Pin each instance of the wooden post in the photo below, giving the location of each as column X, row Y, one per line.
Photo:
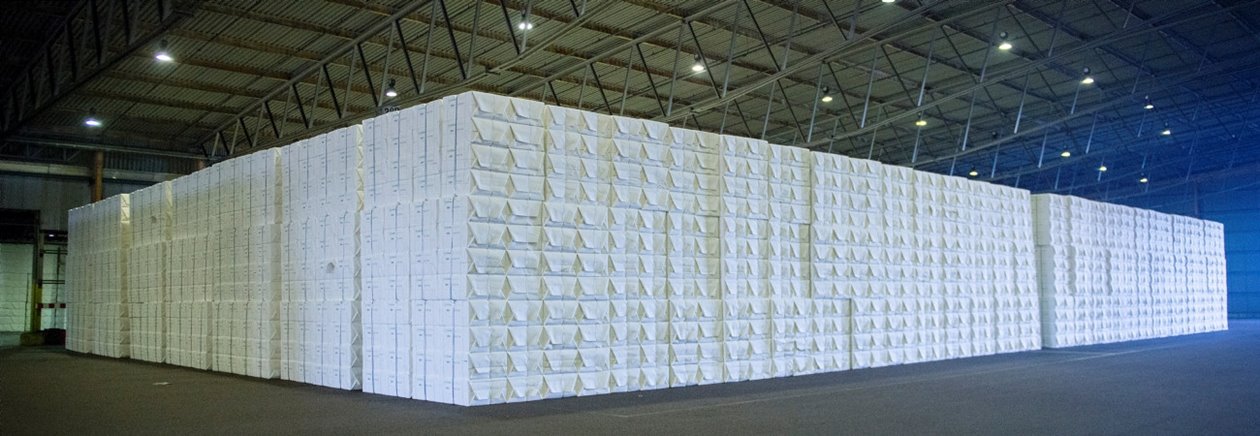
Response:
column 98, row 176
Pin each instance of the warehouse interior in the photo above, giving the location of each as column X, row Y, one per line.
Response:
column 1062, row 131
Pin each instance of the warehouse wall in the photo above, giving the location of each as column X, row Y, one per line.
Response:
column 1234, row 202
column 15, row 286
column 53, row 197
column 1239, row 210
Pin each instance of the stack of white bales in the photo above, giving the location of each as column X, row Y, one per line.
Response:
column 97, row 278
column 789, row 293
column 148, row 262
column 393, row 169
column 1110, row 273
column 319, row 305
column 192, row 248
column 245, row 289
column 482, row 249
column 745, row 240
column 637, row 228
column 542, row 252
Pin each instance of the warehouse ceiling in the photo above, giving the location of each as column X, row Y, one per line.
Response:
column 1159, row 92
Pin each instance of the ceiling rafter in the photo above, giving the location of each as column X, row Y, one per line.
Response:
column 884, row 64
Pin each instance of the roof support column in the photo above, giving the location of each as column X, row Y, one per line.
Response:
column 98, row 176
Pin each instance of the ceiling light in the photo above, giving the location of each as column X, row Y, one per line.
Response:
column 525, row 24
column 162, row 54
column 1148, row 106
column 826, row 98
column 91, row 120
column 1005, row 45
column 390, row 91
column 973, row 173
column 1066, row 153
column 1102, row 168
column 1088, row 78
column 920, row 122
column 1143, row 180
column 889, row 1
column 698, row 66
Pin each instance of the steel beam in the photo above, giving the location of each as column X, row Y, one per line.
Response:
column 1016, row 70
column 85, row 14
column 1075, row 160
column 661, row 30
column 1162, row 145
column 322, row 67
column 843, row 49
column 346, row 116
column 80, row 172
column 112, row 148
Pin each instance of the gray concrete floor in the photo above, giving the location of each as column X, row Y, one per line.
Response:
column 1200, row 384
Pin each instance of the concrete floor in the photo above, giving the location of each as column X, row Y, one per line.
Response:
column 10, row 339
column 1199, row 384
